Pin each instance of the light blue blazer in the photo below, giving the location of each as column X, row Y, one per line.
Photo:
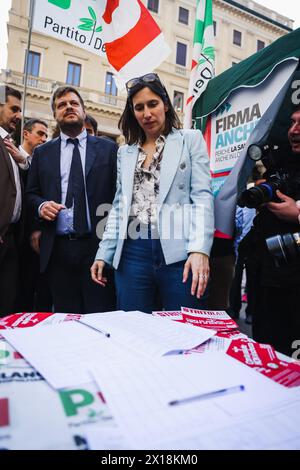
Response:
column 185, row 205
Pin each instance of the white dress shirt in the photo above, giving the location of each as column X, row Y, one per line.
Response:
column 27, row 156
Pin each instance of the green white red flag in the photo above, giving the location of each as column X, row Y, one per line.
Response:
column 203, row 58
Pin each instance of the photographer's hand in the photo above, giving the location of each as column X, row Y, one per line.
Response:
column 298, row 207
column 286, row 210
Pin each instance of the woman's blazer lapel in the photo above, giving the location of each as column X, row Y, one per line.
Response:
column 171, row 158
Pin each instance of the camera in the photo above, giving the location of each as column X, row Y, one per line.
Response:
column 277, row 177
column 285, row 249
column 265, row 192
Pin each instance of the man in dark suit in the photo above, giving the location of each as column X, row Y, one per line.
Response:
column 70, row 179
column 11, row 193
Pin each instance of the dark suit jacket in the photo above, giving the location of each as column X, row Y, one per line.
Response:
column 8, row 190
column 44, row 183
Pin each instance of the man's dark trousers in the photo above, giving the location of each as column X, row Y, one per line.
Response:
column 67, row 261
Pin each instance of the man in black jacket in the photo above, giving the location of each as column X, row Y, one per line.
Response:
column 33, row 292
column 70, row 177
column 11, row 200
column 276, row 318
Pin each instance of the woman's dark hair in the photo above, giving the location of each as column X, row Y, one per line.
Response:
column 128, row 124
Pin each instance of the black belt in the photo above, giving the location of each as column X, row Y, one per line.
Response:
column 74, row 236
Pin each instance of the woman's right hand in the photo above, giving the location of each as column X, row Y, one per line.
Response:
column 97, row 273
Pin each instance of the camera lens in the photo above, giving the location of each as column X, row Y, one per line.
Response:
column 284, row 248
column 255, row 153
column 256, row 196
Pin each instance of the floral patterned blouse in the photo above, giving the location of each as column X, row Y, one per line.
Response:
column 146, row 185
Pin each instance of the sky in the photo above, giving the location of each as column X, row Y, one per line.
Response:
column 289, row 8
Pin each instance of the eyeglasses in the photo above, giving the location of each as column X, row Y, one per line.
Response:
column 148, row 78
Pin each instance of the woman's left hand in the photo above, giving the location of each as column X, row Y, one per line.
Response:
column 199, row 264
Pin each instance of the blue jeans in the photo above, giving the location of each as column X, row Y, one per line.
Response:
column 144, row 282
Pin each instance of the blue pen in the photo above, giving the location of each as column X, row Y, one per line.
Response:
column 174, row 352
column 105, row 333
column 205, row 396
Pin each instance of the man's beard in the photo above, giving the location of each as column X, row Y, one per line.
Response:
column 8, row 128
column 71, row 127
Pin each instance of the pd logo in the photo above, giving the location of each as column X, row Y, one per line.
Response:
column 65, row 4
column 74, row 400
column 4, row 353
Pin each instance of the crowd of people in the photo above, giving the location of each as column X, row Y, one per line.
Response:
column 150, row 205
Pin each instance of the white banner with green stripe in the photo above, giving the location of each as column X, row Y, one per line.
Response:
column 203, row 57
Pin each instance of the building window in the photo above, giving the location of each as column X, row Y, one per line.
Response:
column 153, row 5
column 110, row 89
column 110, row 85
column 181, row 54
column 34, row 61
column 260, row 45
column 237, row 37
column 178, row 101
column 183, row 15
column 215, row 28
column 74, row 74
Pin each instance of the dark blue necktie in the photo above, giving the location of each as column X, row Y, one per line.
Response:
column 76, row 192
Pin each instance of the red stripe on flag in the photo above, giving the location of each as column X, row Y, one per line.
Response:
column 122, row 50
column 111, row 6
column 194, row 64
column 189, row 100
column 4, row 415
column 220, row 175
column 219, row 234
column 18, row 356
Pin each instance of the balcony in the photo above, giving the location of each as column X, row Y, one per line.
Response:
column 181, row 70
column 17, row 79
column 37, row 84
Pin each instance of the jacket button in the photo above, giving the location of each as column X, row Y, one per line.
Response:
column 183, row 166
column 181, row 186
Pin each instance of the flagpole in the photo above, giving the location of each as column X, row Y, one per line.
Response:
column 30, row 23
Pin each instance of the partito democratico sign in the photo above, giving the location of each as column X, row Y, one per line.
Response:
column 78, row 22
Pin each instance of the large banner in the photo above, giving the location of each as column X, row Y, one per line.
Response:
column 238, row 108
column 244, row 118
column 234, row 122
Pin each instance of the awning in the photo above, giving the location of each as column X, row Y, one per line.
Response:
column 248, row 73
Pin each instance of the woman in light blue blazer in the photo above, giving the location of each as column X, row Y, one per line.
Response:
column 160, row 230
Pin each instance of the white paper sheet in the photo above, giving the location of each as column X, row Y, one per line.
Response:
column 274, row 428
column 106, row 438
column 62, row 353
column 147, row 334
column 36, row 420
column 139, row 394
